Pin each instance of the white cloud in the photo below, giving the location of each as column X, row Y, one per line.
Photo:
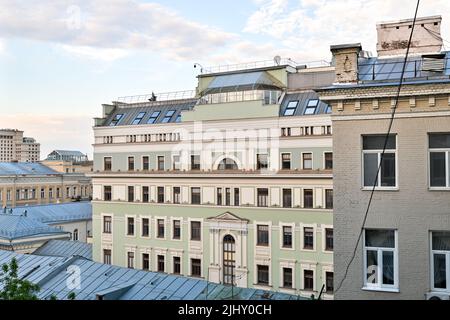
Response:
column 105, row 54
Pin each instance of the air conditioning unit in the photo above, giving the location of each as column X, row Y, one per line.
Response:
column 437, row 296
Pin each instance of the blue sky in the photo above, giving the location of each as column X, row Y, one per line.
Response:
column 60, row 60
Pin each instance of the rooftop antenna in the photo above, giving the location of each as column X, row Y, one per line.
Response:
column 277, row 60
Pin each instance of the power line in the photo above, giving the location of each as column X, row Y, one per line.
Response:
column 383, row 152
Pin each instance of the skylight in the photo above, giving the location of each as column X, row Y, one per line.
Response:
column 291, row 107
column 311, row 106
column 138, row 118
column 153, row 117
column 178, row 119
column 328, row 109
column 115, row 121
column 168, row 116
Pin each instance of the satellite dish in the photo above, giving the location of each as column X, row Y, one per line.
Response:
column 277, row 60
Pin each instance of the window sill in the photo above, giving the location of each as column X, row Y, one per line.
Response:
column 378, row 289
column 438, row 189
column 380, row 188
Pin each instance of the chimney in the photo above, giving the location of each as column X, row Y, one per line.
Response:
column 393, row 36
column 345, row 57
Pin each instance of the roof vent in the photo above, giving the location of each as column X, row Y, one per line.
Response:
column 433, row 62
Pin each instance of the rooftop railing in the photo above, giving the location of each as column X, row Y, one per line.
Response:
column 155, row 97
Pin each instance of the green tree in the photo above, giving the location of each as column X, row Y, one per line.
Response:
column 14, row 288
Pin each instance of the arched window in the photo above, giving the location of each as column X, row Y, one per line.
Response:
column 229, row 262
column 75, row 235
column 227, row 164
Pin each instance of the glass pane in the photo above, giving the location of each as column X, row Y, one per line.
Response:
column 310, row 110
column 370, row 168
column 380, row 238
column 376, row 142
column 289, row 112
column 372, row 263
column 441, row 241
column 440, row 280
column 313, row 103
column 388, row 267
column 437, row 169
column 439, row 140
column 388, row 170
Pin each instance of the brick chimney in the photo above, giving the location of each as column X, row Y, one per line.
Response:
column 345, row 58
column 393, row 36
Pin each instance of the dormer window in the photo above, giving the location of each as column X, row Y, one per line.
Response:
column 168, row 116
column 311, row 106
column 291, row 107
column 138, row 118
column 153, row 117
column 115, row 121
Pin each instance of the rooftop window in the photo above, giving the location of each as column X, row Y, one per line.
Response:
column 138, row 118
column 328, row 109
column 115, row 121
column 153, row 117
column 178, row 119
column 311, row 106
column 291, row 107
column 168, row 116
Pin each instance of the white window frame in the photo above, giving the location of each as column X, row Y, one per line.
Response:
column 312, row 160
column 157, row 163
column 172, row 219
column 190, row 220
column 255, row 238
column 290, row 161
column 288, row 264
column 324, row 237
column 447, row 264
column 156, row 228
column 141, row 218
column 302, row 237
column 126, row 226
column 447, row 167
column 379, row 286
column 103, row 223
column 282, row 225
column 324, row 159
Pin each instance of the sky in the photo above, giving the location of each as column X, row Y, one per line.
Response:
column 60, row 60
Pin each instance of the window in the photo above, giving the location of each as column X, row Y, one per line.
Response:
column 329, row 239
column 130, row 226
column 145, row 261
column 308, row 198
column 380, row 258
column 130, row 163
column 50, row 194
column 176, row 230
column 263, row 197
column 329, row 287
column 106, row 256
column 176, row 195
column 196, row 230
column 42, row 193
column 145, row 194
column 263, row 274
column 227, row 196
column 145, row 163
column 178, row 119
column 287, row 277
column 311, row 106
column 262, row 161
column 130, row 193
column 287, row 237
column 160, row 228
column 308, row 238
column 328, row 160
column 262, row 235
column 153, row 117
column 236, row 196
column 130, row 259
column 195, row 162
column 168, row 116
column 329, row 198
column 138, row 118
column 75, row 235
column 116, row 119
column 107, row 224
column 145, row 227
column 227, row 164
column 290, row 109
column 107, row 163
column 176, row 164
column 328, row 109
column 196, row 267
column 439, row 145
column 176, row 265
column 286, row 161
column 161, row 163
column 287, row 198
column 440, row 260
column 161, row 262
column 195, row 195
column 160, row 195
column 372, row 150
column 229, row 259
column 308, row 280
column 219, row 196
column 307, row 161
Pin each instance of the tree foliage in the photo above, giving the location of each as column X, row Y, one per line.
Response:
column 14, row 288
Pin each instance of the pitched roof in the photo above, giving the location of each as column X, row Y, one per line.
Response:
column 113, row 282
column 74, row 153
column 303, row 98
column 57, row 212
column 65, row 248
column 18, row 226
column 25, row 168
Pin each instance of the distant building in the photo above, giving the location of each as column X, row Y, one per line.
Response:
column 25, row 183
column 67, row 155
column 15, row 147
column 65, row 248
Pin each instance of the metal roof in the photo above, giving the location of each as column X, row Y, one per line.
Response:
column 112, row 282
column 57, row 212
column 18, row 226
column 303, row 99
column 25, row 168
column 130, row 112
column 65, row 248
column 69, row 153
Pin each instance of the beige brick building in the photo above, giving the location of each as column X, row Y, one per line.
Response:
column 15, row 147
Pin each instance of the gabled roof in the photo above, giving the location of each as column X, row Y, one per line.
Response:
column 57, row 212
column 65, row 248
column 14, row 227
column 25, row 168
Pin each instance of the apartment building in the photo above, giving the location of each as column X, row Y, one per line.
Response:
column 231, row 183
column 404, row 252
column 15, row 147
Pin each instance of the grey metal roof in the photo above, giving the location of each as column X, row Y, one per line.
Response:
column 25, row 168
column 65, row 248
column 118, row 283
column 74, row 153
column 302, row 98
column 18, row 226
column 131, row 112
column 57, row 212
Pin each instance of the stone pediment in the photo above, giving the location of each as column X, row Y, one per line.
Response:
column 228, row 217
